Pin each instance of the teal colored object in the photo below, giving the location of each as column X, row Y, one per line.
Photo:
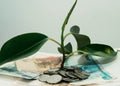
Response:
column 94, row 68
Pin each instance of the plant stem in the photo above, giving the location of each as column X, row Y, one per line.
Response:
column 53, row 40
column 66, row 35
column 62, row 47
column 78, row 51
column 62, row 33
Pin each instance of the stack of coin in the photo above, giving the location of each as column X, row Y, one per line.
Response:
column 66, row 74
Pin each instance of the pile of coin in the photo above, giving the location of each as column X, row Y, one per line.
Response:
column 67, row 74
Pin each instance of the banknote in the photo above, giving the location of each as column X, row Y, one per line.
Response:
column 91, row 65
column 11, row 70
column 96, row 70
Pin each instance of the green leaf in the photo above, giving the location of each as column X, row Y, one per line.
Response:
column 68, row 48
column 75, row 29
column 21, row 46
column 99, row 50
column 82, row 40
column 68, row 16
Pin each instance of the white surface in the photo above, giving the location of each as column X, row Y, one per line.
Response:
column 99, row 19
column 114, row 66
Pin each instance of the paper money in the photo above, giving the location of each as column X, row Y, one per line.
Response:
column 92, row 66
column 11, row 70
column 39, row 64
column 96, row 70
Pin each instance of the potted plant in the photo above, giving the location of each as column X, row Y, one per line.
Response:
column 27, row 44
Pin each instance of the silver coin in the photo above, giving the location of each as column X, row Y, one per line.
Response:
column 54, row 70
column 81, row 76
column 50, row 72
column 85, row 73
column 69, row 79
column 70, row 74
column 62, row 73
column 77, row 70
column 54, row 79
column 43, row 77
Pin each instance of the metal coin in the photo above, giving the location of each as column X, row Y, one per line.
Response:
column 77, row 70
column 69, row 80
column 51, row 73
column 62, row 73
column 81, row 76
column 67, row 74
column 70, row 68
column 46, row 72
column 43, row 77
column 54, row 70
column 86, row 73
column 70, row 74
column 54, row 79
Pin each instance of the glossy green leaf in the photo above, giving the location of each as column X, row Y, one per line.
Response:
column 21, row 46
column 99, row 50
column 75, row 29
column 82, row 40
column 68, row 16
column 68, row 49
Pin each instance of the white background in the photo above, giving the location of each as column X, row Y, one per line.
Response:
column 99, row 19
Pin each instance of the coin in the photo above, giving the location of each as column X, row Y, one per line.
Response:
column 70, row 74
column 81, row 74
column 54, row 70
column 77, row 70
column 62, row 72
column 69, row 68
column 69, row 79
column 67, row 74
column 43, row 77
column 86, row 73
column 54, row 79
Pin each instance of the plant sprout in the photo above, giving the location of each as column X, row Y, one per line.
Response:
column 27, row 44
